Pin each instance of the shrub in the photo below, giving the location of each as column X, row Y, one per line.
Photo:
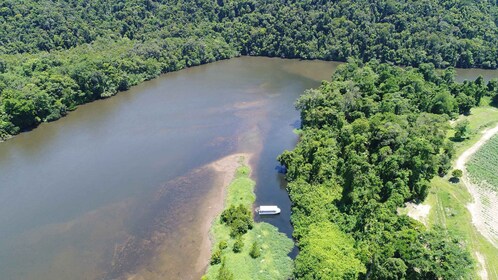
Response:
column 255, row 250
column 222, row 245
column 238, row 218
column 238, row 245
column 457, row 173
column 216, row 257
column 462, row 130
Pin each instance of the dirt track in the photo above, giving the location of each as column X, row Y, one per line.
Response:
column 484, row 208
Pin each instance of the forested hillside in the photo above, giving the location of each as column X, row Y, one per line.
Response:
column 55, row 55
column 372, row 139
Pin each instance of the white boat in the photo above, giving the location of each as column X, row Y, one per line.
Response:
column 268, row 210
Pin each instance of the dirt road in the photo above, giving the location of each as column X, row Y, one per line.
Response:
column 484, row 208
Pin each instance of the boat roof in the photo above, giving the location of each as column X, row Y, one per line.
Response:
column 268, row 208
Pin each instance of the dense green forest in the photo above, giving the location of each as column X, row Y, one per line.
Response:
column 55, row 55
column 372, row 139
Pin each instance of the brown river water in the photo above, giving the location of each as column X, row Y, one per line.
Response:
column 120, row 188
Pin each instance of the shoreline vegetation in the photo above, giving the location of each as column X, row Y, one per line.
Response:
column 241, row 248
column 372, row 139
column 52, row 60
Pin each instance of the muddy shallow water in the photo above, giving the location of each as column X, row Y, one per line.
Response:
column 119, row 186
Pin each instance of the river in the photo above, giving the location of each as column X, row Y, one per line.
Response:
column 119, row 186
column 115, row 187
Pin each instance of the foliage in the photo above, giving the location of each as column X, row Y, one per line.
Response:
column 448, row 201
column 224, row 273
column 448, row 209
column 274, row 247
column 56, row 55
column 436, row 255
column 238, row 245
column 457, row 173
column 446, row 33
column 216, row 257
column 327, row 253
column 372, row 139
column 462, row 130
column 222, row 245
column 255, row 250
column 238, row 218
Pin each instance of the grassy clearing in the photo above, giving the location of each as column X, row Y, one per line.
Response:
column 482, row 117
column 274, row 246
column 449, row 210
column 483, row 166
column 448, row 201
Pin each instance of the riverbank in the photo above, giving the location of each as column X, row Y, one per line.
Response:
column 226, row 168
column 155, row 143
column 261, row 252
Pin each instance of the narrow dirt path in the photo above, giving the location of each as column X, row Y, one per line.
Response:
column 484, row 208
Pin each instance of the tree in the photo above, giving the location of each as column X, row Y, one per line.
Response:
column 462, row 130
column 363, row 152
column 222, row 245
column 465, row 103
column 494, row 101
column 238, row 245
column 238, row 218
column 3, row 66
column 456, row 175
column 216, row 257
column 436, row 254
column 327, row 253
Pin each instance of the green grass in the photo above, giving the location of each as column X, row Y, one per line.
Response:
column 481, row 118
column 275, row 246
column 448, row 201
column 483, row 166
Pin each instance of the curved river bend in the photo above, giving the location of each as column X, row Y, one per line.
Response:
column 119, row 187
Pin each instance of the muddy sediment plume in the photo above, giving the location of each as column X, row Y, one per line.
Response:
column 171, row 241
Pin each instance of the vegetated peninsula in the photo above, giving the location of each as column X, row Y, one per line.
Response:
column 55, row 55
column 243, row 249
column 371, row 139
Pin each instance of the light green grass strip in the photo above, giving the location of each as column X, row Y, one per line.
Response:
column 273, row 263
column 448, row 201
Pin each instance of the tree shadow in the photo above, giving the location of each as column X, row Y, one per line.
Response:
column 281, row 169
column 456, row 139
column 454, row 180
column 494, row 103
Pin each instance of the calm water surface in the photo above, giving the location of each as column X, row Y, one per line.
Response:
column 95, row 194
column 118, row 186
